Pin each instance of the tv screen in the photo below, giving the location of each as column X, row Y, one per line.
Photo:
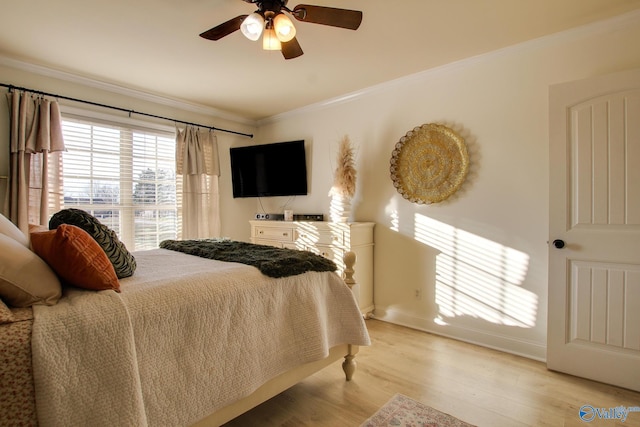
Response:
column 277, row 169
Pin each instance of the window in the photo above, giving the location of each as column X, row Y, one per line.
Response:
column 123, row 174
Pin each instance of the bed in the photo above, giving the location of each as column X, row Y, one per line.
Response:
column 184, row 341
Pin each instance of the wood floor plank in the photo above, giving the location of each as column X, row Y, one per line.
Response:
column 478, row 385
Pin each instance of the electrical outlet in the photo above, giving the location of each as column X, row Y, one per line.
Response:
column 418, row 294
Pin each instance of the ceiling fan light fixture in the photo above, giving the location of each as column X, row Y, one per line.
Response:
column 276, row 27
column 252, row 26
column 270, row 40
column 285, row 31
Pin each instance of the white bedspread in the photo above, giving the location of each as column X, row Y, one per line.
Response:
column 179, row 343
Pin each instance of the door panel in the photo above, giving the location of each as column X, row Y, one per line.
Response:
column 599, row 312
column 605, row 182
column 594, row 288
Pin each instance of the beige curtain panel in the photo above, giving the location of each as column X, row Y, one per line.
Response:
column 35, row 141
column 198, row 163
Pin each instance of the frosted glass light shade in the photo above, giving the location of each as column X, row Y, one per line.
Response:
column 252, row 26
column 285, row 31
column 270, row 41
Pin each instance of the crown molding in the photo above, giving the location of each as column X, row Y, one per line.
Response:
column 595, row 28
column 121, row 90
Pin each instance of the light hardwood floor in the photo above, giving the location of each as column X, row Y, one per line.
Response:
column 478, row 385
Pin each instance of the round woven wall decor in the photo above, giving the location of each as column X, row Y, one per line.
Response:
column 429, row 164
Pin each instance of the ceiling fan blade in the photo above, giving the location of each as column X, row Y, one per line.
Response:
column 224, row 29
column 291, row 49
column 343, row 18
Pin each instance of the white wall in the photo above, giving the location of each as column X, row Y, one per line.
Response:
column 24, row 75
column 479, row 259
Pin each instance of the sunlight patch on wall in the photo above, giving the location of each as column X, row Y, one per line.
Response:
column 477, row 277
column 391, row 211
column 395, row 221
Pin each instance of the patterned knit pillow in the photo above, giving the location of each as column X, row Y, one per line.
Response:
column 123, row 262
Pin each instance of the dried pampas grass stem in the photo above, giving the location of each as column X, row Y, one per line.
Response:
column 344, row 180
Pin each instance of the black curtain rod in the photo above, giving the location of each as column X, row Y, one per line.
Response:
column 39, row 92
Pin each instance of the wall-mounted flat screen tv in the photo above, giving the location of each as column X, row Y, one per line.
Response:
column 276, row 169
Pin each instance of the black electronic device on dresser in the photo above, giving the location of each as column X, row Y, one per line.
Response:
column 296, row 217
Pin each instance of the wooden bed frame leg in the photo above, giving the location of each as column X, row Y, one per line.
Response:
column 349, row 259
column 349, row 364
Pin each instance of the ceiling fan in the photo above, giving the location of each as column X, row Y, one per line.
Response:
column 277, row 30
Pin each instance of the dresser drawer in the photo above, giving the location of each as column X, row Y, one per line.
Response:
column 330, row 238
column 321, row 237
column 329, row 252
column 274, row 243
column 275, row 233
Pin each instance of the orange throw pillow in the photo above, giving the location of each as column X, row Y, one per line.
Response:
column 76, row 257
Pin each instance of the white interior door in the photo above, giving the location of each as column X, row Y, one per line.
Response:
column 594, row 280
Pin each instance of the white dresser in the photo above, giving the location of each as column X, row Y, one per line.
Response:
column 331, row 240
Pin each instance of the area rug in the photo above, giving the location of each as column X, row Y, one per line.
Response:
column 402, row 411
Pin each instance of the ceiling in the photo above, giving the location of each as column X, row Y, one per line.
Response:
column 153, row 45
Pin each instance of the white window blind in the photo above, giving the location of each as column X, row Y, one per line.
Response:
column 125, row 176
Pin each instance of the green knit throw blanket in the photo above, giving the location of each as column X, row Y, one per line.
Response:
column 271, row 261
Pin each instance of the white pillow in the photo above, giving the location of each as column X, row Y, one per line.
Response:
column 8, row 228
column 25, row 279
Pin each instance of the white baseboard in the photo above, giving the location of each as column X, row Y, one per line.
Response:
column 507, row 344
